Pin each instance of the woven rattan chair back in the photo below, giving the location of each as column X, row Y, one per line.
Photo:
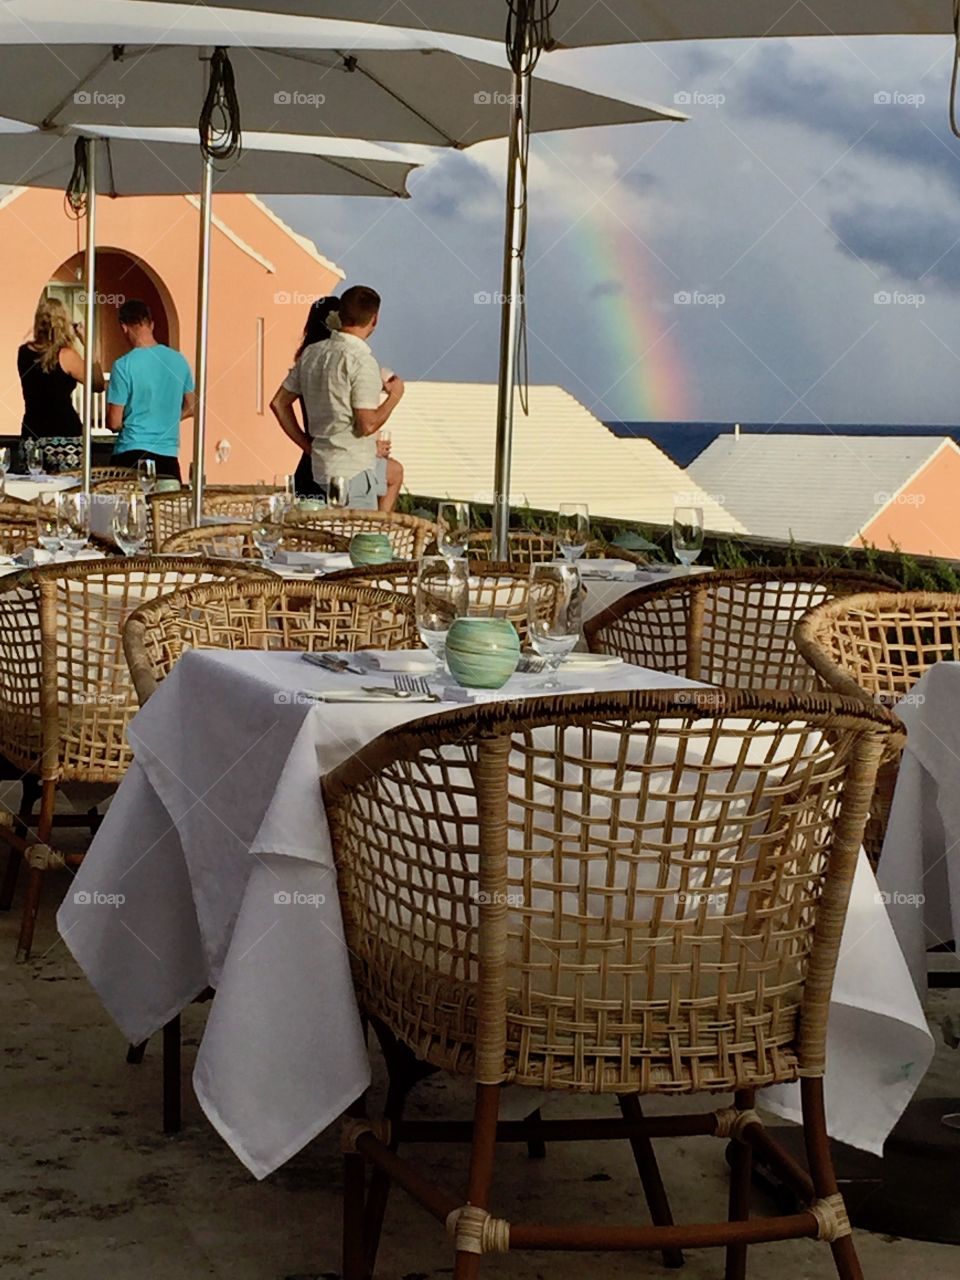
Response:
column 18, row 526
column 731, row 627
column 169, row 514
column 410, row 536
column 235, row 542
column 879, row 645
column 99, row 475
column 527, row 547
column 236, row 502
column 118, row 484
column 612, row 893
column 266, row 614
column 65, row 691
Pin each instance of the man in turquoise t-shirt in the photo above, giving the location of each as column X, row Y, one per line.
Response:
column 150, row 392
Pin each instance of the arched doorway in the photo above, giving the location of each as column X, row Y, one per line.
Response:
column 120, row 276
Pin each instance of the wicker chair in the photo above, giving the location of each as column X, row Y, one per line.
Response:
column 409, row 535
column 66, row 695
column 117, row 484
column 100, row 475
column 534, row 894
column 18, row 526
column 528, row 548
column 235, row 542
column 732, row 627
column 877, row 647
column 171, row 513
column 266, row 614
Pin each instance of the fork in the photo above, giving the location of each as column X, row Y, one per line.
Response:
column 412, row 684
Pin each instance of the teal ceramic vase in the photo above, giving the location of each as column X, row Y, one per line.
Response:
column 311, row 506
column 482, row 653
column 370, row 548
column 167, row 485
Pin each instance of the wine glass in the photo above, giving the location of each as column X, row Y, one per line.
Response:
column 554, row 614
column 48, row 522
column 267, row 526
column 443, row 595
column 147, row 475
column 74, row 521
column 573, row 529
column 687, row 534
column 454, row 521
column 33, row 458
column 130, row 523
column 4, row 468
column 338, row 491
column 286, row 486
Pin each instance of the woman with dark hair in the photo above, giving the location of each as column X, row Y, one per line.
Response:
column 322, row 318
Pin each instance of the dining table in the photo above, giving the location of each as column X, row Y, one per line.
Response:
column 29, row 488
column 213, row 867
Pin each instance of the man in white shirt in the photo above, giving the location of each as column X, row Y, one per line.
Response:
column 341, row 388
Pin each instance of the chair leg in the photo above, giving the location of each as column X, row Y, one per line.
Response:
column 21, row 824
column 135, row 1053
column 741, row 1167
column 31, row 903
column 649, row 1171
column 353, row 1242
column 821, row 1170
column 482, row 1152
column 171, row 1076
column 536, row 1147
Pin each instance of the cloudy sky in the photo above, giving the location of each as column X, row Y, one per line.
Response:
column 790, row 254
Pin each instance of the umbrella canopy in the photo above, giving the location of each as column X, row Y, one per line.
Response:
column 62, row 63
column 157, row 162
column 575, row 23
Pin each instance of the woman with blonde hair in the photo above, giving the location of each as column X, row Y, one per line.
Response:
column 50, row 366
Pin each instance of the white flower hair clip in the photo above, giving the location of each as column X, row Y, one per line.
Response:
column 332, row 321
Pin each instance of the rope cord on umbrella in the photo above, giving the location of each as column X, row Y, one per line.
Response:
column 220, row 133
column 75, row 196
column 528, row 34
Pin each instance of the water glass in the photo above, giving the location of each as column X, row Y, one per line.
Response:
column 554, row 608
column 147, row 475
column 267, row 526
column 286, row 485
column 443, row 595
column 687, row 534
column 4, row 460
column 338, row 491
column 48, row 522
column 130, row 526
column 454, row 521
column 33, row 458
column 573, row 529
column 74, row 521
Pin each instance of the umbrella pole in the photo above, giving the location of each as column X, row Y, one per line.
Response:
column 510, row 304
column 203, row 334
column 90, row 314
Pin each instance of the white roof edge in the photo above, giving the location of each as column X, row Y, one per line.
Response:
column 304, row 242
column 14, row 193
column 892, row 497
column 234, row 238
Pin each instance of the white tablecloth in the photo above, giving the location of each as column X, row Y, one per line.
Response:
column 26, row 490
column 603, row 592
column 919, row 869
column 213, row 866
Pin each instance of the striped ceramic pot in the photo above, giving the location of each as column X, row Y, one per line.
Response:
column 482, row 653
column 370, row 548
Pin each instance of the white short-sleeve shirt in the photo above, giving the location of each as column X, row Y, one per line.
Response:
column 334, row 378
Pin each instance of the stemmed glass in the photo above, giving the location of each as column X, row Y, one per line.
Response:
column 130, row 523
column 286, row 486
column 267, row 526
column 687, row 534
column 48, row 522
column 443, row 595
column 147, row 475
column 338, row 491
column 454, row 521
column 554, row 614
column 4, row 468
column 74, row 521
column 33, row 458
column 573, row 529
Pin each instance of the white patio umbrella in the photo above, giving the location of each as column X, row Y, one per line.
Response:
column 145, row 64
column 536, row 25
column 117, row 161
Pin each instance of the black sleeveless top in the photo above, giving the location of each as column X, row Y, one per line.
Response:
column 48, row 409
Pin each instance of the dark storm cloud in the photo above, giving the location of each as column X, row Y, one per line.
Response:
column 917, row 246
column 456, row 185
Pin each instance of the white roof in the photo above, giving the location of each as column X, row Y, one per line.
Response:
column 811, row 488
column 444, row 435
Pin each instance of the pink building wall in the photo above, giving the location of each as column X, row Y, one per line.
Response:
column 924, row 518
column 261, row 272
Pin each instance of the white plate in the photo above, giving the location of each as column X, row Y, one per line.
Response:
column 591, row 661
column 415, row 662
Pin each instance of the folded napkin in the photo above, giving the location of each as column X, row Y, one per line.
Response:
column 607, row 568
column 31, row 557
column 327, row 561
